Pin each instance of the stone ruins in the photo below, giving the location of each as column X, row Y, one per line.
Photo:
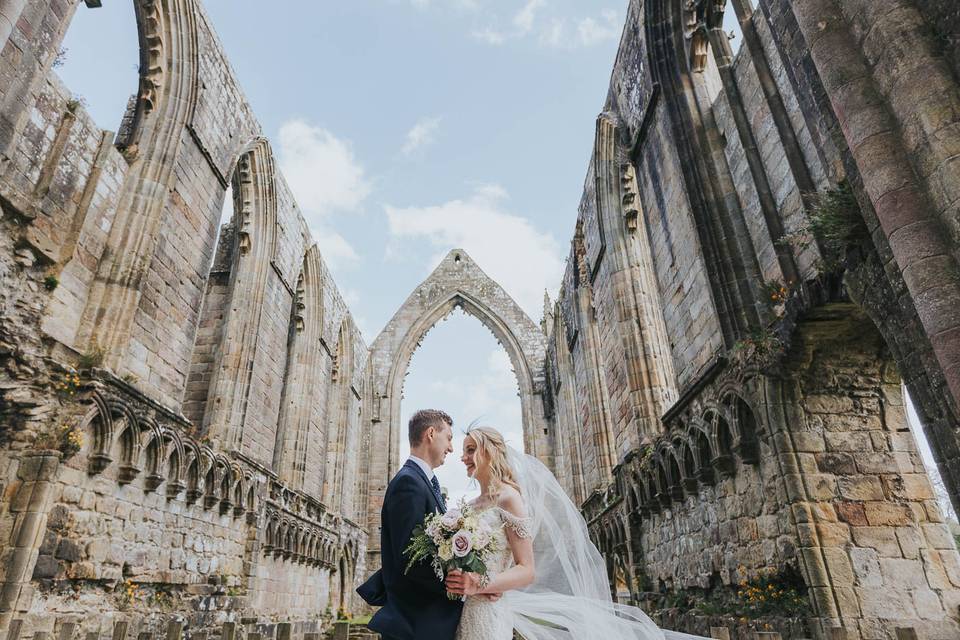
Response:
column 766, row 254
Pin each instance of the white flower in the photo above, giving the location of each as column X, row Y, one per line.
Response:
column 445, row 552
column 433, row 530
column 481, row 539
column 451, row 519
column 462, row 543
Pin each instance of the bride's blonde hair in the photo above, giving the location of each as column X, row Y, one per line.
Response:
column 492, row 449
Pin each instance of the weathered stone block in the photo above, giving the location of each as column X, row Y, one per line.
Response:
column 888, row 513
column 902, row 573
column 866, row 567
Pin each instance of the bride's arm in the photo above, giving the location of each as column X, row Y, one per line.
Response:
column 521, row 545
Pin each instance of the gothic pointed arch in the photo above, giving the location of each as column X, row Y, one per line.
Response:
column 342, row 428
column 456, row 282
column 301, row 426
column 153, row 137
column 254, row 241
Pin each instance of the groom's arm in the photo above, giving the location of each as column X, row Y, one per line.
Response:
column 406, row 509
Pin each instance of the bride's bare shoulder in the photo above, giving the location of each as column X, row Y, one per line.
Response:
column 509, row 499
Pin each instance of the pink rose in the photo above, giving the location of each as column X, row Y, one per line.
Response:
column 462, row 543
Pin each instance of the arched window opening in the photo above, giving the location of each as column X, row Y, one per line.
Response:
column 100, row 52
column 731, row 24
column 705, row 470
column 213, row 311
column 747, row 429
column 724, row 461
column 461, row 369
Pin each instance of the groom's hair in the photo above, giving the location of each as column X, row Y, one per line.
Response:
column 423, row 420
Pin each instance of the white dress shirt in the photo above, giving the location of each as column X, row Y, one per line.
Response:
column 427, row 469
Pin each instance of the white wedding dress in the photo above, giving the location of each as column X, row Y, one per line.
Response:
column 483, row 619
column 570, row 598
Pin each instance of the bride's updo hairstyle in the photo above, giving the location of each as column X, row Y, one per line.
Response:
column 492, row 451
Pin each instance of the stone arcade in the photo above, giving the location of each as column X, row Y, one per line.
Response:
column 765, row 254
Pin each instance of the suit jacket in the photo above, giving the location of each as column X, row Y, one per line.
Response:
column 415, row 604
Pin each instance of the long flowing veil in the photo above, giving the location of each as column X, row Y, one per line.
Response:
column 570, row 596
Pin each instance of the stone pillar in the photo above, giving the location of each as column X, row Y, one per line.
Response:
column 28, row 512
column 907, row 210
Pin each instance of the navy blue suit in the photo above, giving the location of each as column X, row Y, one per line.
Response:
column 415, row 604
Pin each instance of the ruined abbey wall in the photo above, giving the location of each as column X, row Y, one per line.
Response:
column 766, row 253
column 741, row 305
column 180, row 401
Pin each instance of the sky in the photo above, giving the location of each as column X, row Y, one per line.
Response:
column 407, row 128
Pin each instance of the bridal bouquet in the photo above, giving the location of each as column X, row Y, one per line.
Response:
column 457, row 539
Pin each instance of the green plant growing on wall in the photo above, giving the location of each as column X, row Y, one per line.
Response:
column 645, row 460
column 128, row 595
column 762, row 349
column 67, row 439
column 92, row 358
column 76, row 102
column 836, row 221
column 51, row 282
column 66, row 387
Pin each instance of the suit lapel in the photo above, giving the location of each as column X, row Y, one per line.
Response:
column 410, row 464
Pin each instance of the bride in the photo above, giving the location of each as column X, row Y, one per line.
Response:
column 552, row 577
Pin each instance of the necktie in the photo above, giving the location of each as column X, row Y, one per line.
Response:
column 436, row 491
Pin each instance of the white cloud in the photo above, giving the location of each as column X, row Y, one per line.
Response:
column 321, row 169
column 506, row 246
column 524, row 18
column 337, row 252
column 490, row 36
column 591, row 31
column 422, row 134
column 553, row 31
column 325, row 178
column 552, row 34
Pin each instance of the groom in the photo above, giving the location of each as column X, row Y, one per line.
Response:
column 415, row 604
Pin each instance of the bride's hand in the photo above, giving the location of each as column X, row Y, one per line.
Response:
column 463, row 584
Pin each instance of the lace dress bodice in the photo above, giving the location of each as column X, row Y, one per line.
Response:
column 482, row 619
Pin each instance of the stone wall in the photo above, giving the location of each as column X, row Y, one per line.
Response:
column 725, row 365
column 164, row 449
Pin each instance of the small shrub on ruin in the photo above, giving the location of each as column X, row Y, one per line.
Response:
column 762, row 349
column 767, row 595
column 92, row 358
column 128, row 595
column 51, row 282
column 67, row 385
column 66, row 439
column 76, row 102
column 645, row 461
column 777, row 292
column 836, row 218
column 836, row 221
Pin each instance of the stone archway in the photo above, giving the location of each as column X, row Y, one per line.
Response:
column 456, row 282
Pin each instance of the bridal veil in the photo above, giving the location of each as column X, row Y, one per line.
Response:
column 570, row 596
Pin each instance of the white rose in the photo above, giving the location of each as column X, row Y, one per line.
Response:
column 445, row 552
column 481, row 539
column 462, row 543
column 451, row 519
